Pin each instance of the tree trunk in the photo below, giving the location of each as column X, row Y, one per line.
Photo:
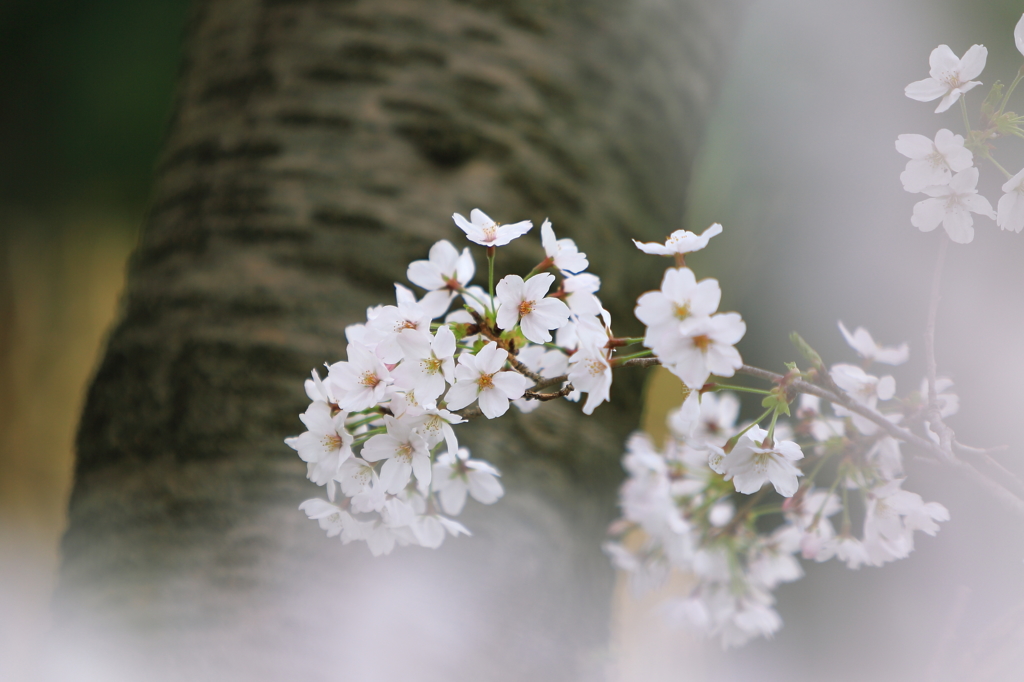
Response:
column 316, row 148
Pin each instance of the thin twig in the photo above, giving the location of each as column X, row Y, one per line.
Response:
column 944, row 433
column 995, row 488
column 564, row 391
column 524, row 370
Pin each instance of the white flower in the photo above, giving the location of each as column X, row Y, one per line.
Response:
column 949, row 77
column 361, row 381
column 429, row 362
column 721, row 513
column 332, row 519
column 436, row 425
column 524, row 301
column 390, row 321
column 680, row 241
column 891, row 518
column 405, row 451
column 590, row 371
column 750, row 465
column 932, row 163
column 443, row 274
column 455, row 475
column 847, row 549
column 479, row 377
column 562, row 252
column 357, row 477
column 1018, row 35
column 579, row 294
column 865, row 388
column 484, row 231
column 445, row 269
column 702, row 346
column 860, row 340
column 680, row 297
column 952, row 206
column 430, row 530
column 716, row 421
column 885, row 455
column 325, row 445
column 1010, row 209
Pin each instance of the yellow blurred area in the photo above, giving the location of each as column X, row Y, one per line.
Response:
column 643, row 647
column 60, row 279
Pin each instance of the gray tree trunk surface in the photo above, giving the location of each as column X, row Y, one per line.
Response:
column 316, row 148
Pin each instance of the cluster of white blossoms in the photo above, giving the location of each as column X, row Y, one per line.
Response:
column 381, row 424
column 733, row 505
column 943, row 167
column 381, row 427
column 703, row 504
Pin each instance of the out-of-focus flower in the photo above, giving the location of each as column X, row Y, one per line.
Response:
column 932, row 162
column 952, row 206
column 860, row 340
column 949, row 77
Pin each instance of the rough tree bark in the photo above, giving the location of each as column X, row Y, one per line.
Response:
column 316, row 148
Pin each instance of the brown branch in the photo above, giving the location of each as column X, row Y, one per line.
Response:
column 1007, row 497
column 524, row 370
column 564, row 391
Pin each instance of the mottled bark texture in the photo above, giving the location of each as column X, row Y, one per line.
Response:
column 316, row 148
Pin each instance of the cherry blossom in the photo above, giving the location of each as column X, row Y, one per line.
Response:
column 932, row 162
column 361, row 381
column 1010, row 209
column 480, row 229
column 580, row 293
column 405, row 453
column 325, row 445
column 562, row 252
column 860, row 340
column 524, row 301
column 952, row 206
column 702, row 346
column 680, row 297
column 590, row 371
column 428, row 362
column 479, row 377
column 949, row 77
column 680, row 241
column 444, row 273
column 715, row 420
column 1018, row 35
column 456, row 475
column 431, row 529
column 751, row 464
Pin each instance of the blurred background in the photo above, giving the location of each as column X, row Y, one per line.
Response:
column 800, row 167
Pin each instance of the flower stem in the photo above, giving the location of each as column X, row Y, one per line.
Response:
column 641, row 354
column 963, row 109
column 1013, row 85
column 999, row 166
column 742, row 389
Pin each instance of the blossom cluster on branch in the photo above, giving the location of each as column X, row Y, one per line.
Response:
column 817, row 475
column 943, row 167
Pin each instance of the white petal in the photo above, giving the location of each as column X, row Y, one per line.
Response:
column 493, row 403
column 973, row 62
column 914, row 146
column 928, row 214
column 959, row 225
column 925, row 90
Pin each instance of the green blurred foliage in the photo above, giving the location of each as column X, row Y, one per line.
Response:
column 87, row 89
